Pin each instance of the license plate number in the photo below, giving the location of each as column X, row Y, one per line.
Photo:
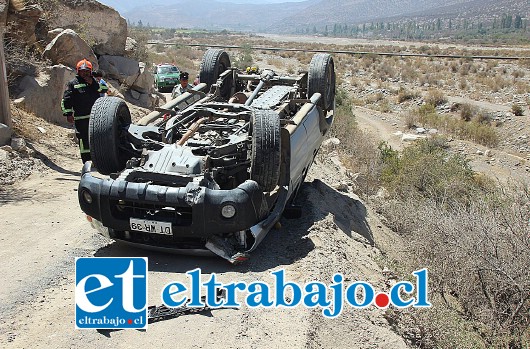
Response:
column 153, row 227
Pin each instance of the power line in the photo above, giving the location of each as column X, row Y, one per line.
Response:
column 360, row 53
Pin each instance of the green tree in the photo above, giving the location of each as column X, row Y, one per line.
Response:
column 518, row 23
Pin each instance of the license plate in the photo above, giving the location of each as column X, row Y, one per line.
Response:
column 153, row 227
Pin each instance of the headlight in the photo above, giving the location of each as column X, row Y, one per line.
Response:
column 87, row 196
column 228, row 211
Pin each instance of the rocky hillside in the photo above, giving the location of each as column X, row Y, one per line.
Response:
column 45, row 40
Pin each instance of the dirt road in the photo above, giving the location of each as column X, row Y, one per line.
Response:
column 44, row 230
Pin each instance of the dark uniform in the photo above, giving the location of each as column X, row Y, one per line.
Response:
column 78, row 100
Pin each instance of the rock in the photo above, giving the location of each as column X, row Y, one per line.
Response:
column 5, row 134
column 382, row 193
column 68, row 48
column 433, row 131
column 4, row 155
column 144, row 100
column 22, row 24
column 488, row 153
column 130, row 46
column 420, row 130
column 331, row 142
column 343, row 187
column 101, row 24
column 18, row 144
column 479, row 152
column 135, row 94
column 7, row 148
column 407, row 137
column 41, row 129
column 128, row 72
column 42, row 95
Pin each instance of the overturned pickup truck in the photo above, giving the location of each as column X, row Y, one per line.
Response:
column 213, row 169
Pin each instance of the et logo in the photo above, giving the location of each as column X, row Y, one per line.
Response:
column 110, row 293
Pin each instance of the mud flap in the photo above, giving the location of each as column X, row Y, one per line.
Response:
column 224, row 249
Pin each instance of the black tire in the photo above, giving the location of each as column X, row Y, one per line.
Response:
column 107, row 129
column 321, row 79
column 214, row 63
column 266, row 149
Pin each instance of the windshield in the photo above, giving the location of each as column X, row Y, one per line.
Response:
column 167, row 70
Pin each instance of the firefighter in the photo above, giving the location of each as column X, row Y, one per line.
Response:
column 80, row 95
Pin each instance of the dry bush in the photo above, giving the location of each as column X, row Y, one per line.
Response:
column 517, row 110
column 463, row 84
column 358, row 149
column 478, row 130
column 497, row 83
column 435, row 97
column 466, row 111
column 474, row 238
column 374, row 98
column 477, row 253
column 405, row 95
column 277, row 62
column 522, row 87
column 491, row 65
column 426, row 170
column 464, row 69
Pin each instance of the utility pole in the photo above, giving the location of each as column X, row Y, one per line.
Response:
column 5, row 109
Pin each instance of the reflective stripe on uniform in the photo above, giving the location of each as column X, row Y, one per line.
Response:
column 64, row 109
column 82, row 117
column 82, row 148
column 79, row 85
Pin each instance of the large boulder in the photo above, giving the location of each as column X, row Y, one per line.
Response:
column 42, row 95
column 68, row 48
column 104, row 28
column 130, row 73
column 22, row 21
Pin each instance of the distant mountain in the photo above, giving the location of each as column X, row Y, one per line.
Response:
column 289, row 17
column 330, row 12
column 212, row 14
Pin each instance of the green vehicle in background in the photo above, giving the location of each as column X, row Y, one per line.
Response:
column 166, row 77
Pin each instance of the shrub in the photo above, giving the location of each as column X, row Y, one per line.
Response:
column 517, row 110
column 466, row 112
column 435, row 97
column 405, row 95
column 477, row 253
column 427, row 170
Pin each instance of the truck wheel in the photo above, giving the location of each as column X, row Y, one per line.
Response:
column 107, row 130
column 266, row 150
column 321, row 79
column 214, row 63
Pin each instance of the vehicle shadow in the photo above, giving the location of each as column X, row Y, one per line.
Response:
column 281, row 247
